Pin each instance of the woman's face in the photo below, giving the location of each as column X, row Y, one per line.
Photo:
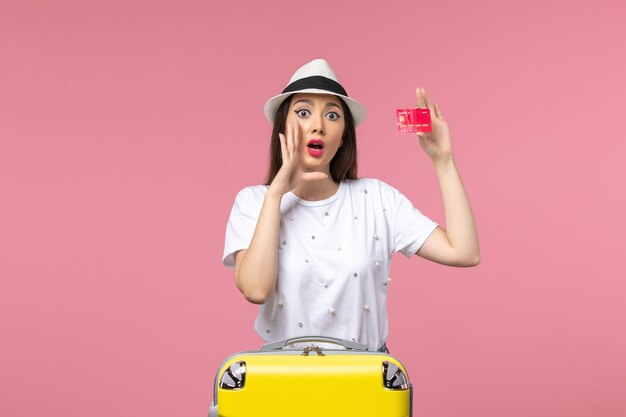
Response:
column 321, row 120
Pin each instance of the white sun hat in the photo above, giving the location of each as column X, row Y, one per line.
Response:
column 316, row 77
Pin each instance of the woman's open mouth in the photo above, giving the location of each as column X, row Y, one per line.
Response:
column 315, row 147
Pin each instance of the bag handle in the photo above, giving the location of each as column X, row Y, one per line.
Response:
column 281, row 344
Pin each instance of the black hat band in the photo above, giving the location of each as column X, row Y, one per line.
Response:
column 316, row 81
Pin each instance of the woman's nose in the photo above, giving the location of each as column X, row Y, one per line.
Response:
column 318, row 125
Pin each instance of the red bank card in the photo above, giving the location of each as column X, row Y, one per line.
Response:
column 413, row 120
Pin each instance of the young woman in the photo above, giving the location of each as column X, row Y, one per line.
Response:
column 313, row 246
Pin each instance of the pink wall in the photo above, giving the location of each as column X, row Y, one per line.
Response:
column 127, row 128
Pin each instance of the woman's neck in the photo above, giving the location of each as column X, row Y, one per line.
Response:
column 316, row 190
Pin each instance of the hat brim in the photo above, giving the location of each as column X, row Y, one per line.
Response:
column 356, row 108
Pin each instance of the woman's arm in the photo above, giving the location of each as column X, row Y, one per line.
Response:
column 256, row 268
column 457, row 245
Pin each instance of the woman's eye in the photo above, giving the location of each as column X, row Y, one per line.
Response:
column 333, row 116
column 302, row 112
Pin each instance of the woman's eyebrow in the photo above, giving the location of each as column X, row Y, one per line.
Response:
column 307, row 101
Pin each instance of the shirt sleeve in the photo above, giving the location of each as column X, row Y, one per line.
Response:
column 241, row 224
column 411, row 228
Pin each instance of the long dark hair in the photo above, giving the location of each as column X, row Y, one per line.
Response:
column 342, row 166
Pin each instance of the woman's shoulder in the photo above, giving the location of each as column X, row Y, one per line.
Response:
column 371, row 184
column 252, row 193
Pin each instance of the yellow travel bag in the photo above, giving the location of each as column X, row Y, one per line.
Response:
column 311, row 381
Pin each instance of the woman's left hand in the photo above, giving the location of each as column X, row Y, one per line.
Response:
column 436, row 144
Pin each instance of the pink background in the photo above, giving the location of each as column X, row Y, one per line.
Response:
column 127, row 128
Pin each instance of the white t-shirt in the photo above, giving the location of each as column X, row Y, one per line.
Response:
column 334, row 257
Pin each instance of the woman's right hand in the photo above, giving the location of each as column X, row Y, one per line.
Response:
column 290, row 174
